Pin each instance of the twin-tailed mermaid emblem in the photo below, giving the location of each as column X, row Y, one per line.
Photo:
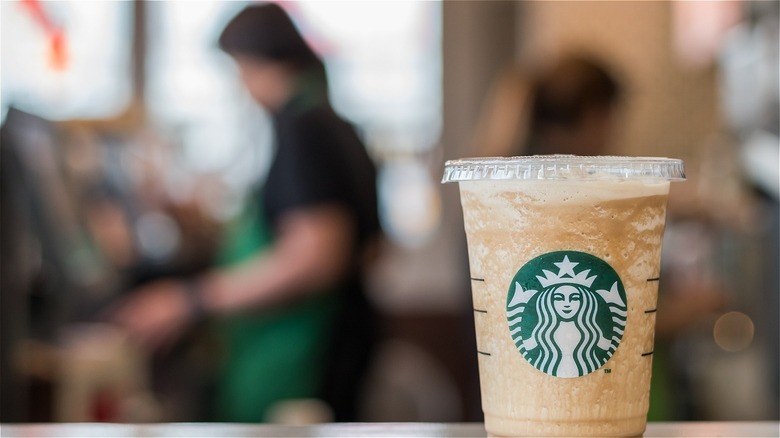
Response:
column 566, row 312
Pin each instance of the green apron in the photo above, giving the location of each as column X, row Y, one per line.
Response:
column 269, row 355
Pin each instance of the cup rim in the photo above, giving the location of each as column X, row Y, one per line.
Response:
column 564, row 167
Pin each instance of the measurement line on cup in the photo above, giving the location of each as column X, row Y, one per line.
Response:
column 647, row 354
column 484, row 353
column 654, row 279
column 477, row 279
column 651, row 311
column 480, row 310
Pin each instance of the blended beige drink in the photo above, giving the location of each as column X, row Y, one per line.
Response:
column 564, row 255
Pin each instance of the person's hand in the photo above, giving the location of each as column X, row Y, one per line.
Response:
column 157, row 313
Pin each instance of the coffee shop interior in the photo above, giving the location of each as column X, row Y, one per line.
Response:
column 131, row 149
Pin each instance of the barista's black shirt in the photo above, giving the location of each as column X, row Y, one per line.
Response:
column 320, row 160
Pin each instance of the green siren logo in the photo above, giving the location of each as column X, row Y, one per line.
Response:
column 566, row 312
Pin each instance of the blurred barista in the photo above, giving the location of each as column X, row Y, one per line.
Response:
column 294, row 318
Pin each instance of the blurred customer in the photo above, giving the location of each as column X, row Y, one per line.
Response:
column 572, row 109
column 295, row 322
column 566, row 108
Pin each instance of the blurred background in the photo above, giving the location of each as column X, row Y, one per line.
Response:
column 128, row 142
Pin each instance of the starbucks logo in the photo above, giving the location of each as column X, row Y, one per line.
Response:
column 566, row 312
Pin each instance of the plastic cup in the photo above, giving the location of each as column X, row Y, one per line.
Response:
column 564, row 254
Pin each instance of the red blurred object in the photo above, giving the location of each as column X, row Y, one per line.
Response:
column 105, row 406
column 58, row 48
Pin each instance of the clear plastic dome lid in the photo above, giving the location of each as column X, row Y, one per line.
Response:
column 564, row 167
